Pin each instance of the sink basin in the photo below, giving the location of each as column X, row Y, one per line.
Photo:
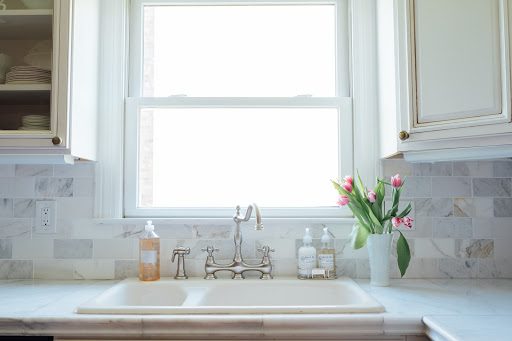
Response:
column 276, row 296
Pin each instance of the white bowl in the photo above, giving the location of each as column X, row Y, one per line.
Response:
column 38, row 4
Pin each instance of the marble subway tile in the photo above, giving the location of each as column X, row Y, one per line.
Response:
column 21, row 187
column 6, row 208
column 34, row 170
column 72, row 248
column 212, row 231
column 284, row 248
column 53, row 269
column 94, row 269
column 482, row 169
column 24, row 208
column 503, row 207
column 5, row 248
column 434, row 248
column 169, row 230
column 115, row 248
column 16, row 269
column 346, row 267
column 452, row 227
column 79, row 169
column 417, row 187
column 473, row 207
column 503, row 169
column 495, row 268
column 421, row 228
column 83, row 187
column 432, row 169
column 475, row 248
column 502, row 248
column 422, row 268
column 451, row 187
column 280, row 267
column 15, row 228
column 458, row 268
column 393, row 166
column 54, row 187
column 32, row 248
column 126, row 268
column 492, row 187
column 496, row 228
column 433, row 207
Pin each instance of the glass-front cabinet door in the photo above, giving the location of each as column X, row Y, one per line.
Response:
column 30, row 31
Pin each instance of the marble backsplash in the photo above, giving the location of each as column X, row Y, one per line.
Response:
column 462, row 212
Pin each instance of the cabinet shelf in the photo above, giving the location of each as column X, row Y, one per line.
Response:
column 26, row 24
column 25, row 87
column 24, row 93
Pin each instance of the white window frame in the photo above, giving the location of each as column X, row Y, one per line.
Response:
column 118, row 105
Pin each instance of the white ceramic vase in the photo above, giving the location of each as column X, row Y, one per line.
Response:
column 379, row 249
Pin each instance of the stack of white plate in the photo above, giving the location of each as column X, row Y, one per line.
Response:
column 35, row 122
column 28, row 75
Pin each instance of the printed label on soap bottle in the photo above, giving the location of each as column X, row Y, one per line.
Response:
column 148, row 257
column 326, row 261
column 306, row 264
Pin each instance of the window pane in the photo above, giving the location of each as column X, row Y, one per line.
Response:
column 220, row 157
column 239, row 51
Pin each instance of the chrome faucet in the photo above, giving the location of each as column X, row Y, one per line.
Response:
column 238, row 266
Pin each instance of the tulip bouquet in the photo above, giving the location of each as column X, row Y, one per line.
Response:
column 369, row 208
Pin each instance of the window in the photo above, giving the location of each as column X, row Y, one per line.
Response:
column 235, row 102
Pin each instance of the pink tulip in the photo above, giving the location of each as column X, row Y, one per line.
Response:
column 343, row 200
column 396, row 221
column 396, row 181
column 372, row 197
column 347, row 187
column 408, row 222
column 349, row 179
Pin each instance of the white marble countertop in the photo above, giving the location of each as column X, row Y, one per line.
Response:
column 451, row 309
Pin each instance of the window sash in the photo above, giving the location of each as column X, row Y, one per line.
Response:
column 136, row 49
column 134, row 106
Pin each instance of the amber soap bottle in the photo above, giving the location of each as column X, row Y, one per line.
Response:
column 149, row 254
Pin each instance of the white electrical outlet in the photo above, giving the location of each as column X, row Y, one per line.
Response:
column 45, row 217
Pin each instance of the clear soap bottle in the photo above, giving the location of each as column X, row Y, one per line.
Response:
column 149, row 254
column 327, row 255
column 306, row 257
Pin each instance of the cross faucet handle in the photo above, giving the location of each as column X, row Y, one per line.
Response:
column 266, row 250
column 180, row 251
column 210, row 250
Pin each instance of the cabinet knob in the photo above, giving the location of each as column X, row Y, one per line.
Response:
column 56, row 140
column 403, row 135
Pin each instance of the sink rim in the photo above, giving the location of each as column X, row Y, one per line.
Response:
column 368, row 304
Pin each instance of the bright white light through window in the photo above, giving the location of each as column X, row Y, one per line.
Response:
column 220, row 157
column 239, row 51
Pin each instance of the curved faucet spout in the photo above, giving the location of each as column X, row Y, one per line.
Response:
column 238, row 218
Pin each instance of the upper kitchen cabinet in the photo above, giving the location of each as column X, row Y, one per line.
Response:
column 48, row 80
column 444, row 79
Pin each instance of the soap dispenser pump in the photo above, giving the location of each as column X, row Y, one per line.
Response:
column 149, row 254
column 306, row 257
column 327, row 255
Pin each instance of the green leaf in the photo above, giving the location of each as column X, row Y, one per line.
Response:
column 359, row 235
column 403, row 253
column 405, row 211
column 375, row 222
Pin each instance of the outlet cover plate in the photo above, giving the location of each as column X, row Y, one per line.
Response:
column 45, row 216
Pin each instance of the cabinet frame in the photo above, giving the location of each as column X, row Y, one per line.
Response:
column 435, row 135
column 26, row 143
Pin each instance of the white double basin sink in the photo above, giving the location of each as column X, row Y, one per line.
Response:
column 198, row 296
